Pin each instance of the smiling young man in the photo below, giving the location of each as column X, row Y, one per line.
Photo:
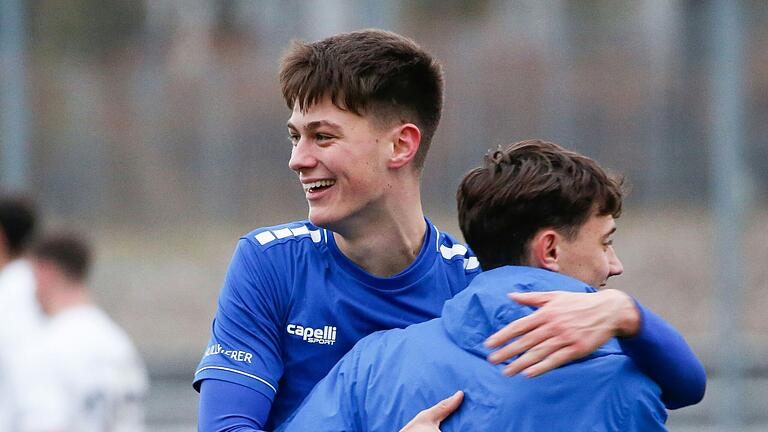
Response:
column 365, row 106
column 540, row 218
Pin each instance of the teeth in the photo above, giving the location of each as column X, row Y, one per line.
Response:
column 317, row 184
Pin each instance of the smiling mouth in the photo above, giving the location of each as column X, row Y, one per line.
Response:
column 318, row 186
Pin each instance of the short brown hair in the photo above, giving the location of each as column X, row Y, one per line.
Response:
column 18, row 220
column 528, row 186
column 368, row 72
column 69, row 252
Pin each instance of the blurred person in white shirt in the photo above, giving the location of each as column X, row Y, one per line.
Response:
column 20, row 315
column 87, row 376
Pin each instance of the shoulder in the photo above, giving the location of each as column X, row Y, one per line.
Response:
column 451, row 250
column 17, row 272
column 297, row 233
column 383, row 347
column 280, row 244
column 89, row 326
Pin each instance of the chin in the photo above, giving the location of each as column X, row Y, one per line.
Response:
column 323, row 219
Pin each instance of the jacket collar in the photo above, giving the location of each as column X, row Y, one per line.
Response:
column 483, row 307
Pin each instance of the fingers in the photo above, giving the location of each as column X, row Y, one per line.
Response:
column 443, row 409
column 429, row 419
column 523, row 325
column 539, row 359
column 534, row 338
column 536, row 299
column 553, row 361
column 513, row 330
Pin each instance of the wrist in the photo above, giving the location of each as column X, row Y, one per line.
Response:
column 628, row 315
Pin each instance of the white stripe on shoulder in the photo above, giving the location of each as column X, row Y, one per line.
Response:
column 455, row 250
column 238, row 372
column 268, row 236
column 437, row 239
column 282, row 233
column 471, row 263
column 265, row 237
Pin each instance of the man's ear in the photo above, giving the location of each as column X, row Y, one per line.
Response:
column 544, row 249
column 405, row 143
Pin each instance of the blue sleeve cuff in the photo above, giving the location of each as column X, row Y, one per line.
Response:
column 245, row 379
column 230, row 407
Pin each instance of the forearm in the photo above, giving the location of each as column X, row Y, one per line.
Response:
column 662, row 353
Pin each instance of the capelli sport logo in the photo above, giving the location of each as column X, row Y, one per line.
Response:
column 322, row 336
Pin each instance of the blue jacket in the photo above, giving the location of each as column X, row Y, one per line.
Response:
column 390, row 376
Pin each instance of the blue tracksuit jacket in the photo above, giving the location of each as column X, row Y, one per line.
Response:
column 390, row 376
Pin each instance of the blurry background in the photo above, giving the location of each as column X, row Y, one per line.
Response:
column 157, row 127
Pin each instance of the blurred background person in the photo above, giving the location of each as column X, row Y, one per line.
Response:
column 84, row 373
column 20, row 315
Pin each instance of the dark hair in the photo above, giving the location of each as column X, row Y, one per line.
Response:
column 17, row 221
column 69, row 252
column 527, row 186
column 368, row 72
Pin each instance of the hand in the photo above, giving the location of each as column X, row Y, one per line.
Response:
column 429, row 419
column 568, row 326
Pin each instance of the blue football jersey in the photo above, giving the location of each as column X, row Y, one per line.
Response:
column 292, row 305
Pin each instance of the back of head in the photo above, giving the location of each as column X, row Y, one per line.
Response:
column 368, row 72
column 525, row 187
column 18, row 220
column 69, row 253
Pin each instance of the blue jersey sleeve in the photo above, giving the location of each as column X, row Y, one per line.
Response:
column 662, row 354
column 230, row 407
column 245, row 346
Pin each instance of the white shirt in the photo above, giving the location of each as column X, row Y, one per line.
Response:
column 88, row 377
column 20, row 322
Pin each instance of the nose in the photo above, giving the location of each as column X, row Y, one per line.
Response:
column 615, row 267
column 302, row 157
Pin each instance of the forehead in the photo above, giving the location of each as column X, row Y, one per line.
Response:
column 597, row 226
column 322, row 112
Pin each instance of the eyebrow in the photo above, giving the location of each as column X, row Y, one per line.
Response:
column 608, row 234
column 314, row 125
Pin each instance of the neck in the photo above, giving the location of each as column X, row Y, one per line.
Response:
column 388, row 241
column 5, row 258
column 68, row 298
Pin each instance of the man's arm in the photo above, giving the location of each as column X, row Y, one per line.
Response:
column 662, row 354
column 242, row 364
column 230, row 407
column 569, row 326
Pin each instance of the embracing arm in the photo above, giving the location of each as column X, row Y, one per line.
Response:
column 569, row 326
column 662, row 354
column 230, row 407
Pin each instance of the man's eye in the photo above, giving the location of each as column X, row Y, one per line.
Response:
column 294, row 139
column 323, row 137
column 608, row 242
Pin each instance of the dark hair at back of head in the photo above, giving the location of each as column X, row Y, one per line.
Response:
column 69, row 252
column 368, row 71
column 528, row 186
column 18, row 220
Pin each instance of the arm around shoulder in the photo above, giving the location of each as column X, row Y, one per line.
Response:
column 662, row 353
